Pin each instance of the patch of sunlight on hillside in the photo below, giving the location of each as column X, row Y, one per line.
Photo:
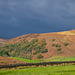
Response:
column 66, row 33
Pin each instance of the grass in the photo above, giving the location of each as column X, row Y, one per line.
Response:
column 60, row 58
column 26, row 60
column 53, row 58
column 50, row 70
column 69, row 59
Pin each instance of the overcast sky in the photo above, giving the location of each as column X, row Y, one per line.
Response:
column 19, row 17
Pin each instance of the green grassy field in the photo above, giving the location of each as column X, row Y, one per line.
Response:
column 60, row 58
column 27, row 60
column 51, row 70
column 53, row 58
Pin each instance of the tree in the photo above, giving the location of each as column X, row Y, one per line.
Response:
column 39, row 56
column 44, row 50
column 34, row 53
column 3, row 53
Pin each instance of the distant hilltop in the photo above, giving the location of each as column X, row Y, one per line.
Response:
column 5, row 38
column 73, row 28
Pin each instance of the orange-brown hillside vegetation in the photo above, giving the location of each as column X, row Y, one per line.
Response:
column 7, row 60
column 2, row 41
column 52, row 39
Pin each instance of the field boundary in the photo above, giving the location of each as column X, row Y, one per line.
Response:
column 39, row 64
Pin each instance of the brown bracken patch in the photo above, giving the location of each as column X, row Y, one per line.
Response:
column 7, row 60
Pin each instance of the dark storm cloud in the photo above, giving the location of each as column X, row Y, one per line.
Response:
column 18, row 17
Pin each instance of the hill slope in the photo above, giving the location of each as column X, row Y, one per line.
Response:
column 6, row 61
column 2, row 41
column 46, row 44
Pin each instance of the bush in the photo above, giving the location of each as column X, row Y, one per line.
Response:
column 43, row 44
column 65, row 43
column 3, row 53
column 43, row 40
column 19, row 37
column 38, row 51
column 39, row 56
column 44, row 50
column 53, row 45
column 29, row 50
column 34, row 40
column 37, row 47
column 34, row 53
column 57, row 45
column 24, row 56
column 53, row 40
column 59, row 49
column 29, row 56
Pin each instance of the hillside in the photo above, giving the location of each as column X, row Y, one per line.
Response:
column 43, row 46
column 6, row 61
column 2, row 41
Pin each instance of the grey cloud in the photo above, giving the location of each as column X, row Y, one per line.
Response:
column 33, row 15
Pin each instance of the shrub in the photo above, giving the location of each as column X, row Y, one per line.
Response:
column 34, row 53
column 3, row 62
column 39, row 56
column 43, row 40
column 29, row 50
column 65, row 43
column 19, row 37
column 59, row 49
column 29, row 56
column 34, row 40
column 53, row 45
column 14, row 61
column 37, row 48
column 25, row 41
column 3, row 53
column 38, row 51
column 53, row 39
column 44, row 50
column 57, row 45
column 43, row 44
column 24, row 56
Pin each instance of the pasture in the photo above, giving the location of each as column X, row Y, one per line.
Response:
column 49, row 70
column 53, row 58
